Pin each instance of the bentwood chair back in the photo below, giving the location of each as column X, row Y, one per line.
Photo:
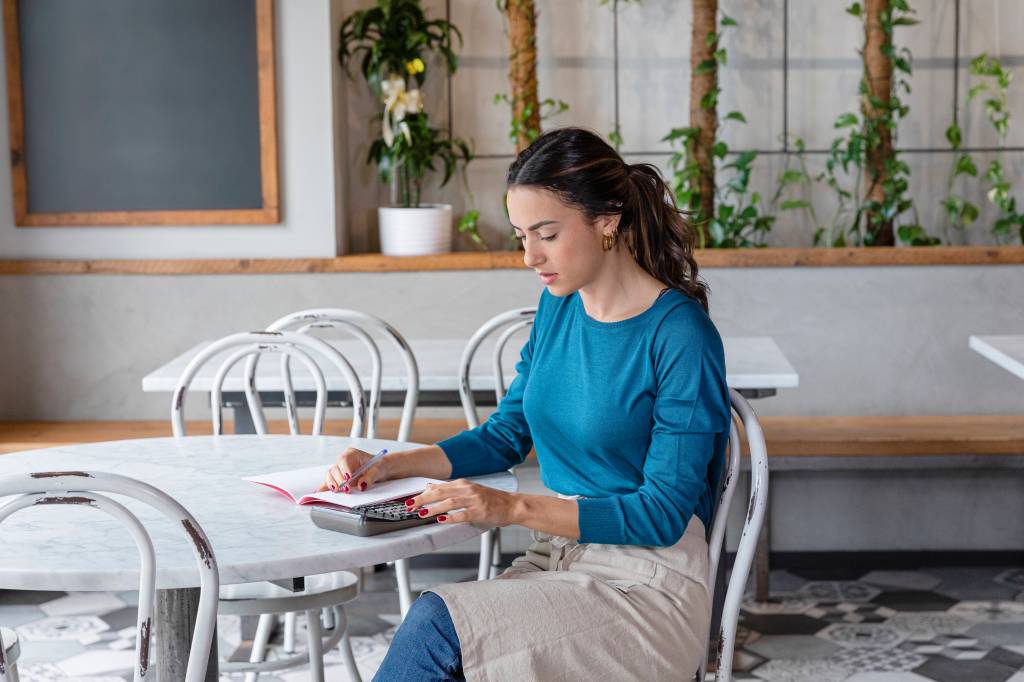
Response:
column 360, row 325
column 89, row 489
column 289, row 345
column 725, row 640
column 505, row 325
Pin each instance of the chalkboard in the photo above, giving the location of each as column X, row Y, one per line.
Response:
column 141, row 112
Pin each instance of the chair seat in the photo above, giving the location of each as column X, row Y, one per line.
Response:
column 12, row 649
column 323, row 590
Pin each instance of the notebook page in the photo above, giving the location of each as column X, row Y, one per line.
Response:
column 300, row 485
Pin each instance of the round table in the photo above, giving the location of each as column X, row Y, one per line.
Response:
column 256, row 533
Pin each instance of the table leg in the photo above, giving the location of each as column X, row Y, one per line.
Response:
column 762, row 567
column 175, row 619
column 243, row 420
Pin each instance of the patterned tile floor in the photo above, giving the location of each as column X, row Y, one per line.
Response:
column 944, row 624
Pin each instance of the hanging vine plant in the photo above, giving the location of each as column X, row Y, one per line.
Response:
column 878, row 208
column 725, row 211
column 993, row 82
column 526, row 108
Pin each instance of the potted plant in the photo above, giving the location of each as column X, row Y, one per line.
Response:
column 395, row 40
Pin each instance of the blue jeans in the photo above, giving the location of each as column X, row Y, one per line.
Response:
column 426, row 646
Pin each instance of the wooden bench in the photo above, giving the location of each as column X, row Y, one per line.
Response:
column 884, row 442
column 19, row 436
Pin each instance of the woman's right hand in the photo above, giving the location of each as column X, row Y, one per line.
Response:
column 338, row 479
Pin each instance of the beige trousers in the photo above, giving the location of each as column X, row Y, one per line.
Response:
column 569, row 611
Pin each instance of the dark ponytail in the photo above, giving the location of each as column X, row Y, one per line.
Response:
column 586, row 172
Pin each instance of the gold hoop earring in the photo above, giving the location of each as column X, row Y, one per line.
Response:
column 608, row 242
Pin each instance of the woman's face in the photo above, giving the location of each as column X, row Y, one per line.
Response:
column 560, row 246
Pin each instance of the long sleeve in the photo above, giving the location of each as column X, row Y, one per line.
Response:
column 681, row 467
column 503, row 440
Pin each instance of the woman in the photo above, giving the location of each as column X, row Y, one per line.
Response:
column 621, row 389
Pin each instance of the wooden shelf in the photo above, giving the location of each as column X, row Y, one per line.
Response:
column 512, row 260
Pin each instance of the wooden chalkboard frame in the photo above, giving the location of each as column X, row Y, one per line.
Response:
column 270, row 211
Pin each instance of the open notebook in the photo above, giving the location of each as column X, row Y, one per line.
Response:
column 300, row 486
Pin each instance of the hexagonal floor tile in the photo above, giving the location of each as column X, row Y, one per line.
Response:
column 901, row 580
column 914, row 600
column 1012, row 578
column 839, row 591
column 997, row 634
column 930, row 623
column 782, row 623
column 69, row 628
column 887, row 677
column 795, row 670
column 877, row 659
column 947, row 670
column 990, row 611
column 792, row 646
column 862, row 634
column 848, row 612
column 778, row 604
column 971, row 583
column 954, row 646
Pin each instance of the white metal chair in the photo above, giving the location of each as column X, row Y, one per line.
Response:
column 10, row 650
column 85, row 488
column 329, row 591
column 756, row 506
column 357, row 323
column 509, row 323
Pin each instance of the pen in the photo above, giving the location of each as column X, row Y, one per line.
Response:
column 362, row 470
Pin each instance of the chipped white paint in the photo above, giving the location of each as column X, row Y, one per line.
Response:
column 84, row 488
column 756, row 507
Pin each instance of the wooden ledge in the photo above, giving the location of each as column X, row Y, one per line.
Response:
column 825, row 436
column 512, row 260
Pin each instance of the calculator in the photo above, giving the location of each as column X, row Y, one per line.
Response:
column 367, row 519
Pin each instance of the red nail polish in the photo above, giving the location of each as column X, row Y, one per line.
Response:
column 442, row 518
column 423, row 512
column 362, row 486
column 334, row 488
column 345, row 477
column 345, row 489
column 409, row 502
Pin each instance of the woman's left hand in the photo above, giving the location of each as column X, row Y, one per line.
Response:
column 476, row 503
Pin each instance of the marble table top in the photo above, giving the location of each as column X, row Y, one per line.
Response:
column 256, row 533
column 751, row 363
column 1007, row 351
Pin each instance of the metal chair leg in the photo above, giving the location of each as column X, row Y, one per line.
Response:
column 496, row 554
column 341, row 621
column 315, row 644
column 404, row 590
column 289, row 632
column 259, row 643
column 486, row 550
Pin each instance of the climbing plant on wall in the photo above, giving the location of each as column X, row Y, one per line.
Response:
column 878, row 208
column 528, row 111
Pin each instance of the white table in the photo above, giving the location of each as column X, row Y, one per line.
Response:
column 256, row 533
column 1007, row 351
column 755, row 366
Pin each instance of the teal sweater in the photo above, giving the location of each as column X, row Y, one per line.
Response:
column 632, row 415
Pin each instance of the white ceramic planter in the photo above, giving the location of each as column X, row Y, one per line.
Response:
column 417, row 231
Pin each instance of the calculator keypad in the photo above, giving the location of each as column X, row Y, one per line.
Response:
column 388, row 511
